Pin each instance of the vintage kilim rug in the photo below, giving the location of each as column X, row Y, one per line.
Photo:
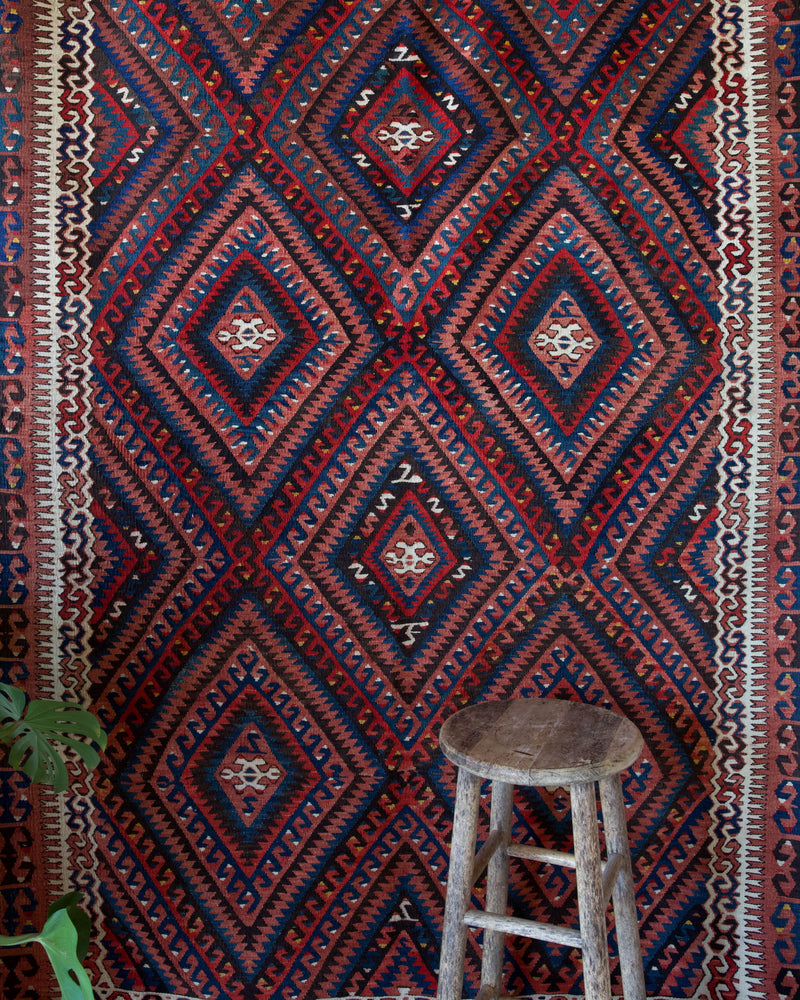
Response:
column 361, row 359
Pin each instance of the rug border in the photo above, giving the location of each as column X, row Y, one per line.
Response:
column 747, row 358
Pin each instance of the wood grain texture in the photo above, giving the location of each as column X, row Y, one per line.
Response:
column 540, row 741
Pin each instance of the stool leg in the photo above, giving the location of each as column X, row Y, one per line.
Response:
column 497, row 889
column 459, row 886
column 625, row 916
column 591, row 905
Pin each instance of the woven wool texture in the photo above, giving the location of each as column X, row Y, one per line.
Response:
column 362, row 360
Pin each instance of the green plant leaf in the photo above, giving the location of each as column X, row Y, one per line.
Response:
column 12, row 702
column 33, row 755
column 63, row 938
column 31, row 733
column 79, row 917
column 59, row 938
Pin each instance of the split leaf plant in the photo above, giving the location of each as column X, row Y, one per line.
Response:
column 34, row 734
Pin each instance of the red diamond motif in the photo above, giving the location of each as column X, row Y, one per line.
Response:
column 408, row 128
column 238, row 415
column 240, row 766
column 250, row 774
column 564, row 341
column 246, row 335
column 410, row 554
column 574, row 422
column 401, row 458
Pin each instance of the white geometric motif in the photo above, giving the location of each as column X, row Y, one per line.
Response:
column 404, row 136
column 251, row 774
column 248, row 335
column 559, row 341
column 410, row 559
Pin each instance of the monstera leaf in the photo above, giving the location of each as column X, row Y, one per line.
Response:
column 65, row 938
column 30, row 729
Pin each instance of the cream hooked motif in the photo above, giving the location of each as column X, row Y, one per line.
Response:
column 404, row 136
column 414, row 558
column 251, row 774
column 248, row 335
column 559, row 341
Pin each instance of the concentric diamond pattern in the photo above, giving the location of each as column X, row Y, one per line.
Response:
column 234, row 764
column 406, row 548
column 571, row 351
column 401, row 211
column 409, row 553
column 406, row 133
column 246, row 343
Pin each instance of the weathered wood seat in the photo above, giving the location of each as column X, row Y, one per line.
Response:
column 554, row 743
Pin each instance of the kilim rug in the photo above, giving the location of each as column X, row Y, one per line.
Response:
column 362, row 360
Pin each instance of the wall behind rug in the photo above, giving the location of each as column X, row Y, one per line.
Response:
column 378, row 357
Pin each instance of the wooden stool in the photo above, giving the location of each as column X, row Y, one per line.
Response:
column 553, row 743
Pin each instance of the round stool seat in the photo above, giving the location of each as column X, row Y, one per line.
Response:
column 540, row 741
